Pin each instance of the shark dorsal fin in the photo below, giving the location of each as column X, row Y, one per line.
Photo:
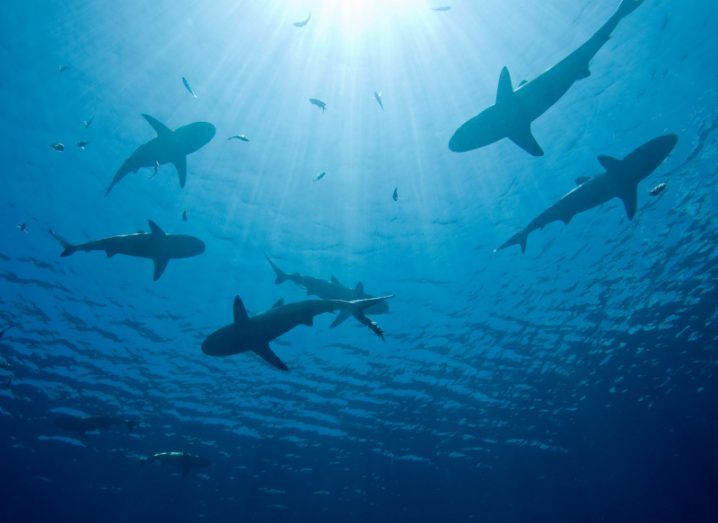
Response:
column 334, row 280
column 240, row 313
column 505, row 90
column 359, row 289
column 609, row 163
column 582, row 179
column 160, row 128
column 278, row 303
column 155, row 229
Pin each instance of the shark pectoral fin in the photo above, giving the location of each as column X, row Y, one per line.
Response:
column 110, row 253
column 505, row 90
column 240, row 313
column 154, row 228
column 160, row 128
column 160, row 266
column 609, row 163
column 524, row 139
column 630, row 201
column 343, row 315
column 267, row 355
column 181, row 165
column 278, row 303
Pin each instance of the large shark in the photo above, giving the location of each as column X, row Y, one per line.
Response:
column 155, row 245
column 329, row 290
column 515, row 110
column 168, row 147
column 81, row 425
column 181, row 459
column 620, row 180
column 254, row 333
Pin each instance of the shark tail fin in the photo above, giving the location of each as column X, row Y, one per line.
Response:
column 519, row 238
column 69, row 248
column 281, row 275
column 357, row 308
column 625, row 9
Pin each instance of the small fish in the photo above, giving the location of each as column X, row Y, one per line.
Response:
column 395, row 195
column 320, row 176
column 184, row 215
column 88, row 123
column 318, row 103
column 62, row 68
column 59, row 147
column 188, row 87
column 377, row 96
column 242, row 137
column 304, row 22
column 658, row 189
column 441, row 8
column 156, row 169
column 82, row 144
column 22, row 228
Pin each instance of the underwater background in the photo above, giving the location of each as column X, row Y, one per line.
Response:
column 575, row 382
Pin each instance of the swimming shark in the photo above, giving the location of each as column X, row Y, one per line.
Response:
column 155, row 245
column 81, row 425
column 515, row 110
column 319, row 103
column 168, row 147
column 329, row 290
column 254, row 333
column 620, row 180
column 184, row 460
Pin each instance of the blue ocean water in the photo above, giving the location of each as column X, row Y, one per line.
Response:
column 577, row 382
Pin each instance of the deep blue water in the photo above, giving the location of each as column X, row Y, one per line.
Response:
column 577, row 382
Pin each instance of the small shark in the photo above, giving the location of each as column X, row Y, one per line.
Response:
column 155, row 245
column 377, row 97
column 255, row 333
column 620, row 180
column 319, row 176
column 181, row 459
column 318, row 103
column 168, row 147
column 80, row 425
column 304, row 22
column 188, row 87
column 515, row 110
column 329, row 290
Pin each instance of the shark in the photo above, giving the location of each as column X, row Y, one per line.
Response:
column 515, row 109
column 620, row 179
column 156, row 245
column 319, row 103
column 167, row 147
column 81, row 425
column 254, row 333
column 329, row 290
column 181, row 459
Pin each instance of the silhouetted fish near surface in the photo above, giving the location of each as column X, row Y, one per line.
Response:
column 319, row 176
column 304, row 22
column 395, row 195
column 658, row 189
column 81, row 425
column 329, row 290
column 514, row 111
column 184, row 460
column 155, row 245
column 168, row 147
column 241, row 137
column 59, row 147
column 188, row 87
column 620, row 180
column 254, row 334
column 318, row 103
column 377, row 97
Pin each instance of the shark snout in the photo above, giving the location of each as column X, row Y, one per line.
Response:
column 484, row 129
